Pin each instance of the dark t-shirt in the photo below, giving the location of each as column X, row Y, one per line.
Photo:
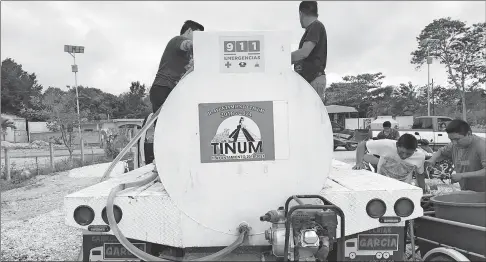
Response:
column 172, row 64
column 315, row 63
column 469, row 159
column 393, row 135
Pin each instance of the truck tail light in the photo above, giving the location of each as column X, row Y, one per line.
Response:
column 116, row 211
column 404, row 207
column 84, row 215
column 376, row 208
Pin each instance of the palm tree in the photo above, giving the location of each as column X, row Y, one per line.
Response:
column 5, row 124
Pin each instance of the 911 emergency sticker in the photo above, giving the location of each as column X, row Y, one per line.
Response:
column 242, row 54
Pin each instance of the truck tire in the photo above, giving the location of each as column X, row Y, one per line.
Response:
column 441, row 257
column 444, row 254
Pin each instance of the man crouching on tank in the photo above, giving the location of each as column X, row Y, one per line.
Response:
column 398, row 159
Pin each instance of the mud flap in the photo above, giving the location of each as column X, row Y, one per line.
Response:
column 105, row 247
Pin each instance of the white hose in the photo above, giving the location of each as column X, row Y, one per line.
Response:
column 243, row 229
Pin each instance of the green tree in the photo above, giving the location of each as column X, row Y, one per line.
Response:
column 354, row 91
column 407, row 101
column 97, row 104
column 380, row 98
column 63, row 117
column 461, row 48
column 19, row 89
column 134, row 103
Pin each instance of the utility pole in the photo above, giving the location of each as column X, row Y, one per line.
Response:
column 433, row 98
column 72, row 50
column 429, row 61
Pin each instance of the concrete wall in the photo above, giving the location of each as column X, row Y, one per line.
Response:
column 17, row 135
column 10, row 135
column 108, row 125
column 38, row 127
column 89, row 137
column 94, row 127
column 403, row 122
column 356, row 123
column 39, row 130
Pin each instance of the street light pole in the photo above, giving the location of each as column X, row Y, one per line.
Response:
column 72, row 50
column 75, row 70
column 433, row 99
column 428, row 82
column 429, row 61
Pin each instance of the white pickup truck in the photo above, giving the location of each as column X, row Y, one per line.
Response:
column 431, row 128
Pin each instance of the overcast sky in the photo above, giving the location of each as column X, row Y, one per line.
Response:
column 125, row 40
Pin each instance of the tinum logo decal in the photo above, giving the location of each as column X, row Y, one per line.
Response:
column 237, row 138
column 236, row 132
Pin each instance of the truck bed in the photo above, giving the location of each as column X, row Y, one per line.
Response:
column 150, row 215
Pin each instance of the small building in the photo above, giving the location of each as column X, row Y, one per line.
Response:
column 339, row 113
column 20, row 133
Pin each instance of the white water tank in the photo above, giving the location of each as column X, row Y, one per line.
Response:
column 242, row 132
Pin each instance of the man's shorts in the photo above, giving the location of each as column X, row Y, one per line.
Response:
column 319, row 84
column 158, row 95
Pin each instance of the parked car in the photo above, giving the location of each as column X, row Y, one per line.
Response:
column 430, row 128
column 343, row 137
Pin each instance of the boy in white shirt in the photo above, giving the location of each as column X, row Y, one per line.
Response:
column 398, row 159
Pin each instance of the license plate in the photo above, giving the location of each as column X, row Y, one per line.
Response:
column 118, row 251
column 388, row 242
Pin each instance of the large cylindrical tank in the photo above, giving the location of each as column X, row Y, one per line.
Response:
column 231, row 146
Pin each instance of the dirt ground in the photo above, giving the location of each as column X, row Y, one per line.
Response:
column 32, row 220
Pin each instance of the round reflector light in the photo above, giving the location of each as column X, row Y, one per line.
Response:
column 84, row 215
column 376, row 208
column 404, row 207
column 116, row 211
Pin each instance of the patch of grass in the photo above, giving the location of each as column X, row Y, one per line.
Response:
column 22, row 177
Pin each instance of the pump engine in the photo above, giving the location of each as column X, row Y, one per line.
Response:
column 313, row 233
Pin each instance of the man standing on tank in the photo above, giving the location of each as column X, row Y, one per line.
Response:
column 173, row 64
column 311, row 58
